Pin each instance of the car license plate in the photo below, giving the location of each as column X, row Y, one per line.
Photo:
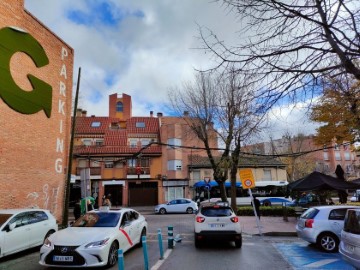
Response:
column 217, row 225
column 63, row 258
column 349, row 248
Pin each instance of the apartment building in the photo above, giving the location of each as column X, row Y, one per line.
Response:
column 321, row 158
column 138, row 160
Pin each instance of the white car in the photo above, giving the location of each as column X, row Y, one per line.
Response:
column 22, row 229
column 94, row 239
column 217, row 221
column 322, row 225
column 180, row 205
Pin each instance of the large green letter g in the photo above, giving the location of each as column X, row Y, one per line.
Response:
column 27, row 102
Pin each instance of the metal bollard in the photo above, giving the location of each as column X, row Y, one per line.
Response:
column 120, row 259
column 146, row 258
column 170, row 237
column 160, row 244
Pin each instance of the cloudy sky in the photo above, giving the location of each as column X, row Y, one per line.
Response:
column 143, row 48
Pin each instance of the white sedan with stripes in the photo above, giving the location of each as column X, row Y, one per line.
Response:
column 94, row 239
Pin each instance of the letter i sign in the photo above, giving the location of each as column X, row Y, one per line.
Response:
column 247, row 178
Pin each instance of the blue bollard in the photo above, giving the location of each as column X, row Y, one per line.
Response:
column 146, row 259
column 170, row 237
column 160, row 244
column 121, row 260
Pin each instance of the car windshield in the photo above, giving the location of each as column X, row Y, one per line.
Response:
column 310, row 213
column 4, row 218
column 216, row 212
column 98, row 219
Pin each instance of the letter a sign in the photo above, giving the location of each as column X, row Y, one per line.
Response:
column 247, row 178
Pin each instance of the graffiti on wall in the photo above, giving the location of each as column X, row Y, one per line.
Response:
column 47, row 198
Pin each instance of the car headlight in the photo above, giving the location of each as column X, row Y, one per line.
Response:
column 47, row 243
column 97, row 243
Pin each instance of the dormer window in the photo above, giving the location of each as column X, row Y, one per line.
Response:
column 140, row 124
column 96, row 124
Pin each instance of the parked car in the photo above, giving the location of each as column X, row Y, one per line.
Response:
column 180, row 205
column 22, row 229
column 322, row 225
column 306, row 201
column 350, row 238
column 217, row 222
column 94, row 239
column 356, row 196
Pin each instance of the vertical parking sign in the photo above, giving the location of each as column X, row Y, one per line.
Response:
column 247, row 178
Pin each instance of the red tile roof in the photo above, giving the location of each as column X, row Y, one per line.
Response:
column 116, row 140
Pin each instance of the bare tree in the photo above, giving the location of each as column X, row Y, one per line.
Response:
column 220, row 105
column 290, row 44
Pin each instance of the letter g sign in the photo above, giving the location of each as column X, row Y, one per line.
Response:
column 26, row 102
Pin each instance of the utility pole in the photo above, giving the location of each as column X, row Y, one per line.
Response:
column 65, row 217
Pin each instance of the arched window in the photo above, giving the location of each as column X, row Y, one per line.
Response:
column 119, row 106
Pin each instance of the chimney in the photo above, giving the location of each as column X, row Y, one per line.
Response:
column 151, row 113
column 159, row 114
column 83, row 113
column 78, row 112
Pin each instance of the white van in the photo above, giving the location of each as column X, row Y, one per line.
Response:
column 349, row 247
column 355, row 197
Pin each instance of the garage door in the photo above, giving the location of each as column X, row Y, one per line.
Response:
column 141, row 194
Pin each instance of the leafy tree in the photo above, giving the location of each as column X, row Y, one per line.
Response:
column 339, row 111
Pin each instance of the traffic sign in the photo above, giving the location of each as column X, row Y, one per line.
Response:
column 247, row 178
column 207, row 186
column 207, row 180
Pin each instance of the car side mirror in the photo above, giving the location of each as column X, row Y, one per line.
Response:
column 10, row 227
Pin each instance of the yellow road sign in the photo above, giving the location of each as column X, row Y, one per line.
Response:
column 247, row 178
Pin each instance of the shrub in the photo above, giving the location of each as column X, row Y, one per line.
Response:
column 275, row 211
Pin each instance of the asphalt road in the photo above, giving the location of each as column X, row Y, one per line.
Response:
column 256, row 253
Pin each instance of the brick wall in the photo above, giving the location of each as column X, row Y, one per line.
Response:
column 29, row 153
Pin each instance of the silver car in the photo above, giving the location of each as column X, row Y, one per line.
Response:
column 180, row 205
column 322, row 225
column 350, row 238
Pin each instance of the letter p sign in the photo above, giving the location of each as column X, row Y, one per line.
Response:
column 26, row 102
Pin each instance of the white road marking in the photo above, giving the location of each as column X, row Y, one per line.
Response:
column 321, row 263
column 160, row 262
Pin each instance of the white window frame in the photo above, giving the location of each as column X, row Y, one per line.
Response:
column 174, row 165
column 174, row 142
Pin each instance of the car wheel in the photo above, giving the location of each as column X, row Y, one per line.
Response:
column 162, row 211
column 238, row 243
column 267, row 203
column 143, row 233
column 189, row 210
column 113, row 254
column 48, row 234
column 328, row 242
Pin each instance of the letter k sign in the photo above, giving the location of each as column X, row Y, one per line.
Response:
column 26, row 102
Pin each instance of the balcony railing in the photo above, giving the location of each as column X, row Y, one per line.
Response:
column 138, row 171
column 93, row 170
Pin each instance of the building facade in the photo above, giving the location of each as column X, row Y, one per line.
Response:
column 137, row 160
column 36, row 77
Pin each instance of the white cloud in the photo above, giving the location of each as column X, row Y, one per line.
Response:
column 142, row 56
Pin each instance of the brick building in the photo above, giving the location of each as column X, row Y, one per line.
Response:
column 115, row 150
column 35, row 111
